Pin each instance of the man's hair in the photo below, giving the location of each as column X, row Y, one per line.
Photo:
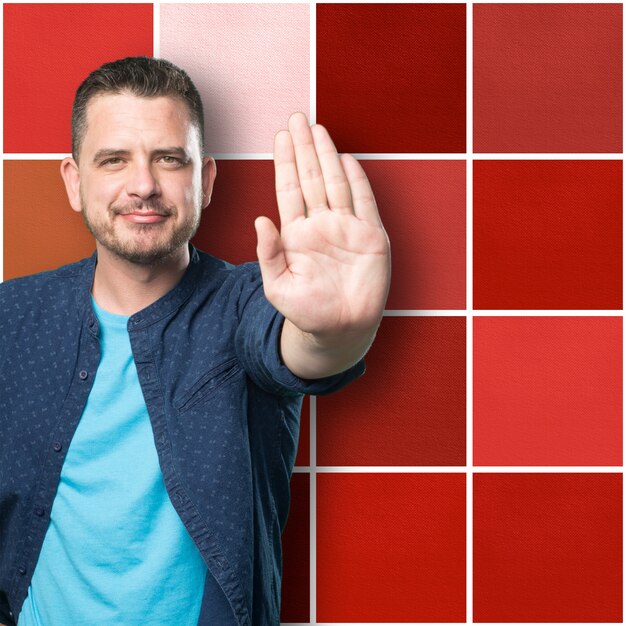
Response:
column 145, row 77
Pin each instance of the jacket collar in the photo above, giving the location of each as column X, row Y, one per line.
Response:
column 162, row 307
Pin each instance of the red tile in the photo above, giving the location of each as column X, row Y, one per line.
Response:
column 409, row 406
column 49, row 49
column 391, row 547
column 304, row 442
column 547, row 234
column 243, row 190
column 547, row 77
column 391, row 77
column 547, row 390
column 295, row 584
column 547, row 547
column 422, row 206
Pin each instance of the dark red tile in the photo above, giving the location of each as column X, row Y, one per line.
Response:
column 409, row 406
column 391, row 77
column 295, row 584
column 547, row 77
column 547, row 234
column 49, row 49
column 244, row 189
column 304, row 443
column 547, row 390
column 547, row 547
column 391, row 547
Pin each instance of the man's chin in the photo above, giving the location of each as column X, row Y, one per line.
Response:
column 154, row 255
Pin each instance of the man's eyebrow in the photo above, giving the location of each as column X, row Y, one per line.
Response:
column 176, row 151
column 112, row 153
column 109, row 153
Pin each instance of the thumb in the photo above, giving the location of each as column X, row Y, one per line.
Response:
column 269, row 250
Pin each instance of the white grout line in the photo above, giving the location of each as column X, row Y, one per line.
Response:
column 313, row 511
column 231, row 1
column 444, row 623
column 623, row 292
column 2, row 144
column 461, row 469
column 312, row 62
column 369, row 156
column 501, row 313
column 313, row 399
column 156, row 29
column 469, row 206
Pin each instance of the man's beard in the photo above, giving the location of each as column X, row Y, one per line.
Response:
column 135, row 249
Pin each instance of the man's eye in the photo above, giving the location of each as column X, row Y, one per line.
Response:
column 112, row 161
column 170, row 160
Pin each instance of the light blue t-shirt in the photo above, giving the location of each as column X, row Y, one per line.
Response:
column 116, row 551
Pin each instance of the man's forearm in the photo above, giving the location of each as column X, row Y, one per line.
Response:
column 309, row 356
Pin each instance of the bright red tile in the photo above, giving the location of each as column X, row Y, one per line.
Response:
column 422, row 207
column 547, row 234
column 409, row 406
column 391, row 77
column 547, row 77
column 295, row 583
column 390, row 547
column 547, row 547
column 49, row 49
column 547, row 390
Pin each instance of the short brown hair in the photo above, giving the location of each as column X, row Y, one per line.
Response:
column 145, row 77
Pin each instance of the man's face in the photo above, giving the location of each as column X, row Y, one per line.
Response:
column 141, row 181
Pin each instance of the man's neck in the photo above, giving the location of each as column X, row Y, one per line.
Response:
column 123, row 287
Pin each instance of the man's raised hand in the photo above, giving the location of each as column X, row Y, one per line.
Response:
column 328, row 269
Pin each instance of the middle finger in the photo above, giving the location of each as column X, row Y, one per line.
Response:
column 309, row 170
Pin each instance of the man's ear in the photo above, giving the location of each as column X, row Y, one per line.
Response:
column 209, row 172
column 71, row 178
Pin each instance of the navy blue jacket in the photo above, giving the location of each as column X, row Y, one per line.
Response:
column 224, row 411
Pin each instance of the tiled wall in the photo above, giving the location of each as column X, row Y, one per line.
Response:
column 474, row 474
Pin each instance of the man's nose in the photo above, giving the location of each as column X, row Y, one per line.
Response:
column 142, row 181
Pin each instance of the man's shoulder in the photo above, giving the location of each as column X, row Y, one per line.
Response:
column 213, row 266
column 54, row 281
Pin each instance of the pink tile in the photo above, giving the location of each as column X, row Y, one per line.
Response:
column 250, row 63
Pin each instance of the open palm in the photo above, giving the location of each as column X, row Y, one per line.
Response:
column 328, row 269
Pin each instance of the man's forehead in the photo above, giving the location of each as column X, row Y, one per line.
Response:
column 112, row 115
column 127, row 105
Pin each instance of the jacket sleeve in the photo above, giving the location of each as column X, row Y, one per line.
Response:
column 257, row 342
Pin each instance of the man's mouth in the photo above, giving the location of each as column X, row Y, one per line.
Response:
column 144, row 217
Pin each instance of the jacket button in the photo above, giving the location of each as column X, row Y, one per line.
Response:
column 57, row 446
column 22, row 570
column 39, row 512
column 83, row 374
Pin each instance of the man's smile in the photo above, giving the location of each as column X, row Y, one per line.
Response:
column 145, row 217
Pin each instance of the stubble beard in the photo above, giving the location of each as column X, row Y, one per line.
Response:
column 142, row 246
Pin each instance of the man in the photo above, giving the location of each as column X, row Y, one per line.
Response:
column 150, row 395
